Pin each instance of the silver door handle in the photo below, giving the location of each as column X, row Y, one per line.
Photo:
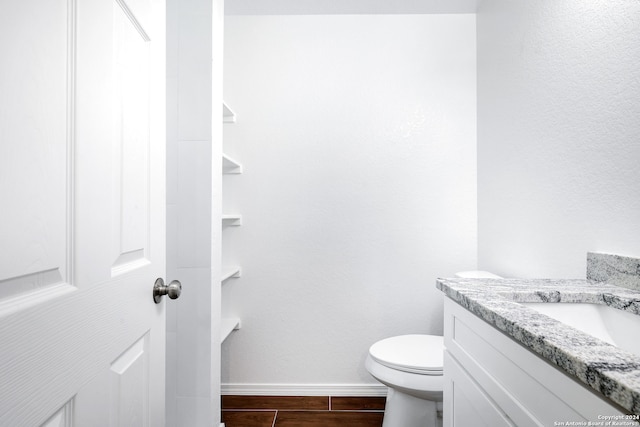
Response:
column 173, row 291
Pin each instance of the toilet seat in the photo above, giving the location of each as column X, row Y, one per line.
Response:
column 411, row 367
column 416, row 354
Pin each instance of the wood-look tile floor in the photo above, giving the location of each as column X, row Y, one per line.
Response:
column 302, row 411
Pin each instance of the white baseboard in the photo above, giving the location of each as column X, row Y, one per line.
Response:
column 304, row 389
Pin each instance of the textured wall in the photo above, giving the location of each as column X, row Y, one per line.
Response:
column 346, row 7
column 558, row 134
column 357, row 136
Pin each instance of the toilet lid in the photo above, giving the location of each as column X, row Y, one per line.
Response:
column 419, row 354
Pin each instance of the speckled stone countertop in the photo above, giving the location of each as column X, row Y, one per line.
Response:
column 611, row 371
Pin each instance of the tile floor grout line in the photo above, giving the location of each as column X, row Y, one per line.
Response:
column 303, row 410
column 329, row 409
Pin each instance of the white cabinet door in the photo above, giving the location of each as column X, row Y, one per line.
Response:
column 82, row 212
column 465, row 403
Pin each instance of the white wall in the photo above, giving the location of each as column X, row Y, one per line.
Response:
column 357, row 135
column 558, row 134
column 194, row 145
column 347, row 7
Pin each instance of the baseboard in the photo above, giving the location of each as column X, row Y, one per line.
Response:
column 360, row 390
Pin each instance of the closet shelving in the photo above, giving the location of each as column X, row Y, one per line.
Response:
column 230, row 166
column 229, row 324
column 229, row 271
column 231, row 220
column 228, row 116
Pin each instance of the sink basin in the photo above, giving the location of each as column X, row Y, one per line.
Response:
column 616, row 327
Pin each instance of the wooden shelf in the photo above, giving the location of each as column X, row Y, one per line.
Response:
column 228, row 116
column 229, row 271
column 229, row 324
column 230, row 166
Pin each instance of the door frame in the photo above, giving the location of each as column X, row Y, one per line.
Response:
column 194, row 182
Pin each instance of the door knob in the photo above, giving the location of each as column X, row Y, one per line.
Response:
column 172, row 291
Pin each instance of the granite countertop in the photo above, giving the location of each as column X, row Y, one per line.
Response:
column 607, row 369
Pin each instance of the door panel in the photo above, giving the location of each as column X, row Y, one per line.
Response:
column 131, row 151
column 82, row 187
column 62, row 418
column 34, row 148
column 129, row 383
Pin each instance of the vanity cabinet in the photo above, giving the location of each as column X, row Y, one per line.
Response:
column 491, row 380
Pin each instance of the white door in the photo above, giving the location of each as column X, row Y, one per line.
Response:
column 81, row 212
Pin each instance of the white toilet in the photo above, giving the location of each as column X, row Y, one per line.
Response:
column 411, row 367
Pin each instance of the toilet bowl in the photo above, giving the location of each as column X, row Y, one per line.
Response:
column 411, row 367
